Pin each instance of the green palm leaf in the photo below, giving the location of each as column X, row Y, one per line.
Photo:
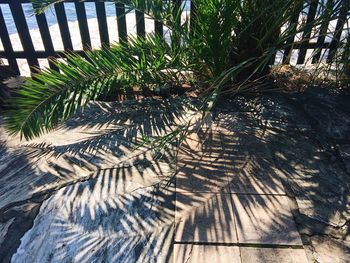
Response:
column 51, row 97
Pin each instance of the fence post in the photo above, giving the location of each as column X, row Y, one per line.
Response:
column 177, row 17
column 338, row 30
column 140, row 23
column 323, row 31
column 298, row 6
column 63, row 26
column 158, row 25
column 122, row 31
column 46, row 37
column 83, row 25
column 6, row 42
column 192, row 14
column 23, row 33
column 102, row 23
column 307, row 32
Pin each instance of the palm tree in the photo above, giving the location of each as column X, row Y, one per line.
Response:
column 226, row 48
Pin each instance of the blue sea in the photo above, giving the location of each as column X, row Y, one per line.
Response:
column 51, row 17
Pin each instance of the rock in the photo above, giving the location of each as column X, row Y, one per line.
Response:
column 329, row 110
column 326, row 250
column 344, row 151
column 14, row 223
column 7, row 76
column 99, row 220
column 4, row 229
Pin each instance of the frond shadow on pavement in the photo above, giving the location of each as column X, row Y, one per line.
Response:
column 104, row 196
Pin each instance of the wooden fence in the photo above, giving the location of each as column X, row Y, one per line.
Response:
column 32, row 55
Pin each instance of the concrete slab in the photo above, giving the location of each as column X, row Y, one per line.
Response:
column 201, row 165
column 272, row 255
column 205, row 254
column 264, row 219
column 257, row 176
column 204, row 218
column 201, row 176
column 245, row 144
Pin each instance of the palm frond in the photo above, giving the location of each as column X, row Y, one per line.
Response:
column 51, row 97
column 230, row 44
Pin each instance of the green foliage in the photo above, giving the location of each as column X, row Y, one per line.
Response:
column 229, row 45
column 52, row 96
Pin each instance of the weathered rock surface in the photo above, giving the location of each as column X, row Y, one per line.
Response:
column 97, row 221
column 14, row 223
column 326, row 249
